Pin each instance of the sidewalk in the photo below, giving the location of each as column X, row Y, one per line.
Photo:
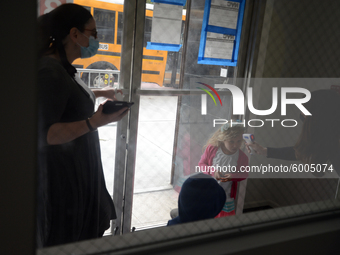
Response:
column 152, row 209
column 153, row 197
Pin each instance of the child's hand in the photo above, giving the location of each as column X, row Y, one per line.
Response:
column 217, row 175
column 223, row 178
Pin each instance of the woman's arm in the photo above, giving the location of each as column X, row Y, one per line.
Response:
column 60, row 133
column 285, row 153
column 54, row 94
column 107, row 92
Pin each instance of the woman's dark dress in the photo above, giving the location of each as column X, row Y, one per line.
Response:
column 73, row 202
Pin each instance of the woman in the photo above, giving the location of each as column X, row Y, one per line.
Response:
column 319, row 141
column 73, row 202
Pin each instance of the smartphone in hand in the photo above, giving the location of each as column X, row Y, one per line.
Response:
column 114, row 106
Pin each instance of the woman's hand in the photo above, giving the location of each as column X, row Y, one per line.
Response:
column 257, row 148
column 101, row 119
column 110, row 92
column 107, row 92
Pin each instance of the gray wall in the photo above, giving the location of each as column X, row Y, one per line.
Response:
column 297, row 39
column 303, row 39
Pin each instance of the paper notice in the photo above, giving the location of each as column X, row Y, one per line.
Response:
column 166, row 23
column 219, row 46
column 224, row 72
column 224, row 13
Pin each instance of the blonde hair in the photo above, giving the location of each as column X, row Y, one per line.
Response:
column 225, row 133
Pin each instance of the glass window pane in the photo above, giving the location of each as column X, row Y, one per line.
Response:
column 147, row 30
column 105, row 21
column 120, row 28
column 170, row 139
column 154, row 195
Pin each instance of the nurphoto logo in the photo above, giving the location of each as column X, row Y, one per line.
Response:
column 239, row 102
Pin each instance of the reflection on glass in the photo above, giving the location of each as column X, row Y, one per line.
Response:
column 120, row 28
column 105, row 21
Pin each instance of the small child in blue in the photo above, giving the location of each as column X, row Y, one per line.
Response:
column 201, row 198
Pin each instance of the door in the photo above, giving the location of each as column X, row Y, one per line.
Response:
column 162, row 140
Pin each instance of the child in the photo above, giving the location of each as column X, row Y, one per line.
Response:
column 200, row 198
column 222, row 152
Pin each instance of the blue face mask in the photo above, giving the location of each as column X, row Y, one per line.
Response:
column 91, row 50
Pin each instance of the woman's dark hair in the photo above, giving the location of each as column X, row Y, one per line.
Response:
column 319, row 139
column 56, row 25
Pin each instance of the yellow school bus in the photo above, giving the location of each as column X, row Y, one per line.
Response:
column 109, row 21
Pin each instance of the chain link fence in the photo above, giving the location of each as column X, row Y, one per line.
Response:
column 172, row 132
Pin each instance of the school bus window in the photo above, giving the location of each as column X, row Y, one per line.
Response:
column 105, row 21
column 147, row 30
column 87, row 8
column 109, row 21
column 120, row 28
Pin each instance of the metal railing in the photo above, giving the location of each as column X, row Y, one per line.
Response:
column 99, row 78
